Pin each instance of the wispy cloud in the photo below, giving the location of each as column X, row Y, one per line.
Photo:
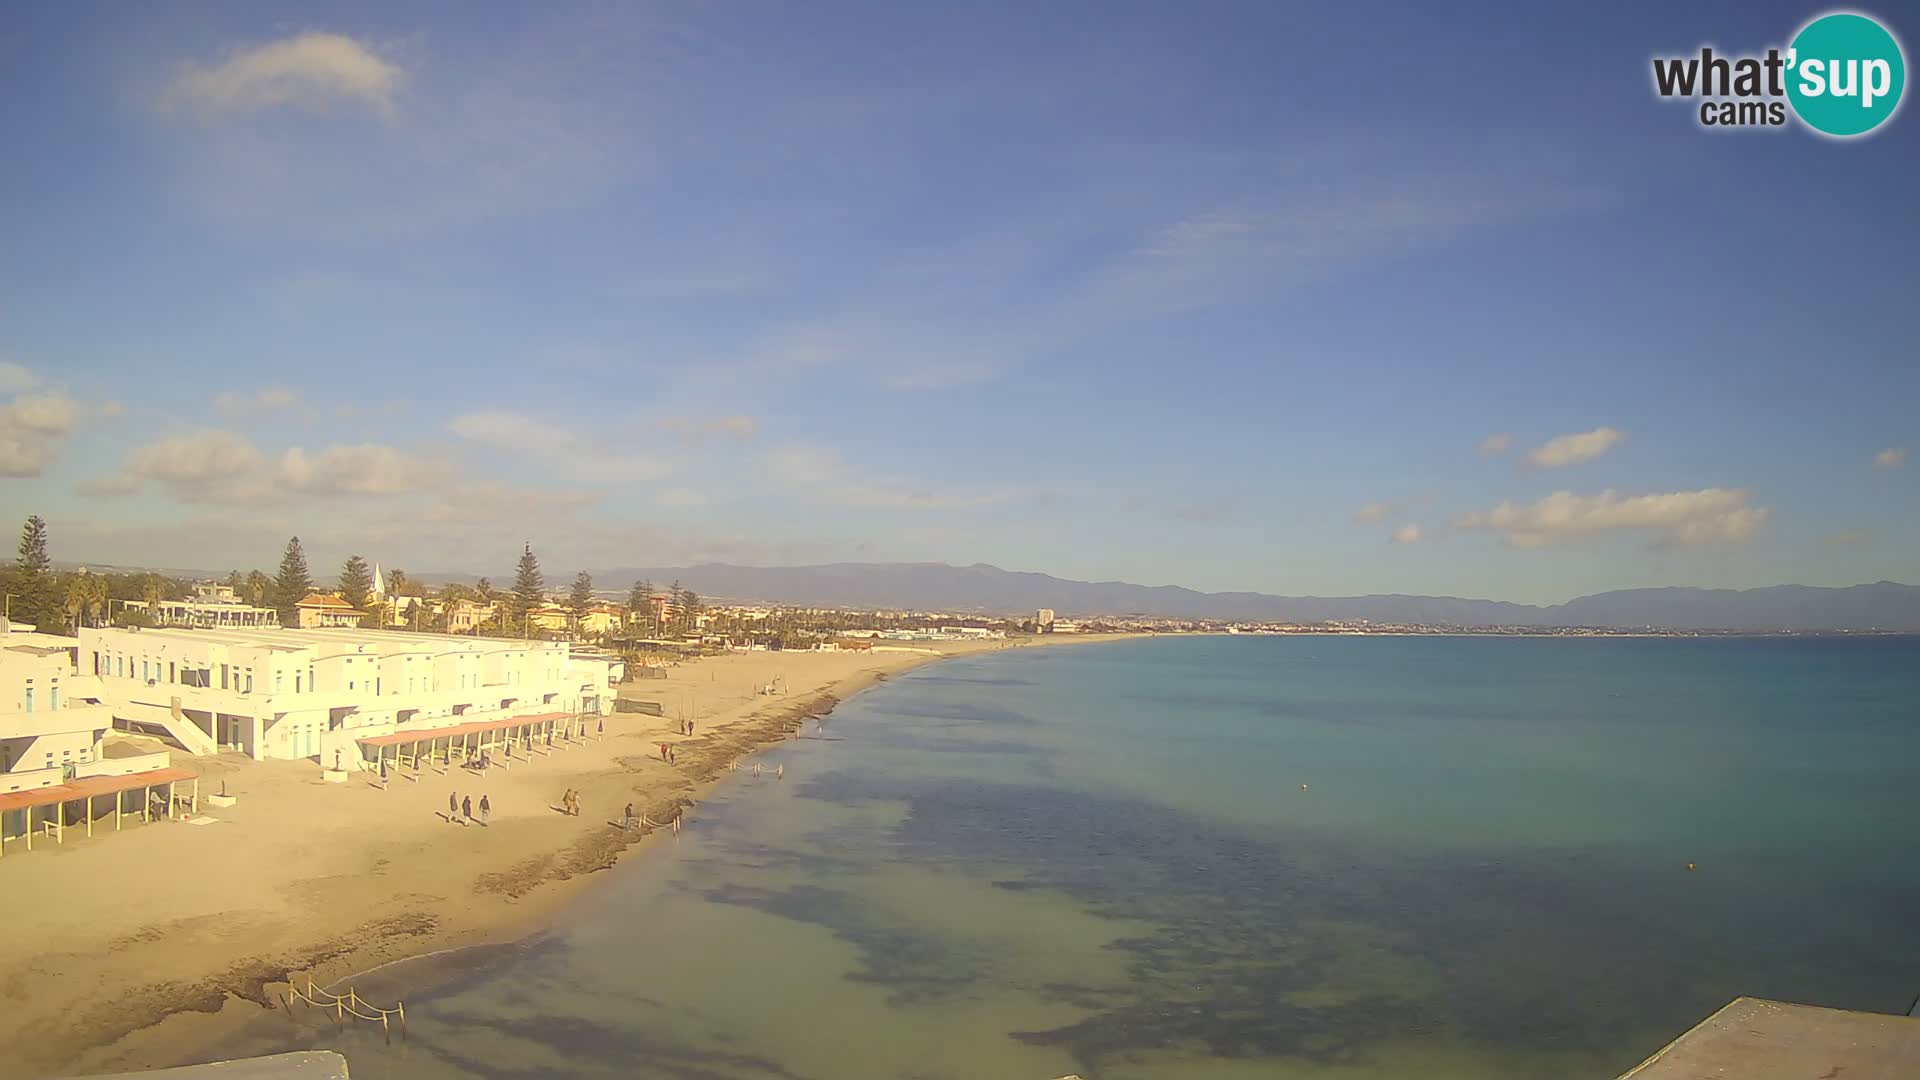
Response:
column 702, row 428
column 1373, row 511
column 1497, row 444
column 1890, row 458
column 312, row 70
column 1407, row 534
column 235, row 406
column 817, row 474
column 1563, row 450
column 1850, row 536
column 15, row 378
column 1680, row 518
column 582, row 451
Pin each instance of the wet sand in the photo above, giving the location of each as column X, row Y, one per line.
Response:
column 134, row 951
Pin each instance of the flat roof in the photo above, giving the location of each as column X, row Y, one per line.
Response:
column 1757, row 1039
column 286, row 637
column 87, row 787
column 476, row 727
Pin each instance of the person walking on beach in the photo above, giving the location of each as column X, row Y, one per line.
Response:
column 453, row 806
column 670, row 755
column 486, row 809
column 466, row 810
column 626, row 821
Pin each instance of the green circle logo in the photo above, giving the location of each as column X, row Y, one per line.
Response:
column 1845, row 74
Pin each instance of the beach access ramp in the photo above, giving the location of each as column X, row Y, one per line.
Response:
column 299, row 1065
column 1756, row 1039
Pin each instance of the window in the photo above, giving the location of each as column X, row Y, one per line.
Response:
column 30, row 702
column 223, row 676
column 171, row 677
column 53, row 698
column 249, row 681
column 296, row 682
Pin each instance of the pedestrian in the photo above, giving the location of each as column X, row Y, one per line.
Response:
column 383, row 774
column 689, row 727
column 626, row 822
column 603, row 726
column 671, row 756
column 486, row 809
column 466, row 809
column 453, row 806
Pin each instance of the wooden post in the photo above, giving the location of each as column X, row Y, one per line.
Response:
column 29, row 828
column 89, row 817
column 118, row 798
column 169, row 800
column 196, row 796
column 60, row 823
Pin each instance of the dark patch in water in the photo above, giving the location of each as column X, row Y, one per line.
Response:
column 969, row 712
column 970, row 680
column 588, row 1048
column 915, row 967
column 1528, row 951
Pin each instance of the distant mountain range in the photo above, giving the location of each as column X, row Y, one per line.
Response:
column 1884, row 605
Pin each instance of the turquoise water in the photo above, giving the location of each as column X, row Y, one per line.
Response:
column 1239, row 857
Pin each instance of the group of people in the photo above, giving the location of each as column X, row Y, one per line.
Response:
column 460, row 810
column 570, row 803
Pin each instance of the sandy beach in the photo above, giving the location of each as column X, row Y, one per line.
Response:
column 133, row 950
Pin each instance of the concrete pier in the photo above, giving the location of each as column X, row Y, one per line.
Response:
column 1755, row 1039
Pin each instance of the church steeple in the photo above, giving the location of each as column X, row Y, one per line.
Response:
column 379, row 583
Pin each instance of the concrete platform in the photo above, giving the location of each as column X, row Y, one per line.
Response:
column 1755, row 1039
column 299, row 1065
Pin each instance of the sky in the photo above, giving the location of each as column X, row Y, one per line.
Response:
column 1304, row 299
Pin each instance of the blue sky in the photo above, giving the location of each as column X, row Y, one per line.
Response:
column 1356, row 298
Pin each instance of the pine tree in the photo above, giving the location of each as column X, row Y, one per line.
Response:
column 356, row 582
column 580, row 600
column 637, row 596
column 293, row 583
column 33, row 585
column 529, row 588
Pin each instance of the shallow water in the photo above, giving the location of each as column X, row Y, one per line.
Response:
column 1103, row 860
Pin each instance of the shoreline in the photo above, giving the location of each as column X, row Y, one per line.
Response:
column 140, row 1013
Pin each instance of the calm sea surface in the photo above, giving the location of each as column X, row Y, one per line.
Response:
column 1202, row 858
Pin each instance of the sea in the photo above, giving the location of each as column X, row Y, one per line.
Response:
column 1224, row 858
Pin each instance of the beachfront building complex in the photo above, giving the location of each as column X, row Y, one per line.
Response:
column 211, row 605
column 319, row 693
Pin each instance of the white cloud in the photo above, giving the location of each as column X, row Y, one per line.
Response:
column 222, row 466
column 1496, row 444
column 311, row 70
column 15, row 379
column 32, row 429
column 1373, row 511
column 1710, row 515
column 235, row 405
column 366, row 469
column 1407, row 534
column 1563, row 450
column 1890, row 458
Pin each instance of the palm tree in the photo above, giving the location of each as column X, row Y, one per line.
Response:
column 78, row 594
column 97, row 598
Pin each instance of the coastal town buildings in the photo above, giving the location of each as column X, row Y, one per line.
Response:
column 319, row 693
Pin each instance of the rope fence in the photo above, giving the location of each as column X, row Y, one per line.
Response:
column 350, row 1005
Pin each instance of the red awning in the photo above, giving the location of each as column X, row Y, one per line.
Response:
column 413, row 735
column 87, row 787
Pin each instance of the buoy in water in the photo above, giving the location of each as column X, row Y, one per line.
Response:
column 1303, row 787
column 1689, row 866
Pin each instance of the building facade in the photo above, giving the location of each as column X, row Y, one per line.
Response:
column 51, row 721
column 323, row 610
column 312, row 693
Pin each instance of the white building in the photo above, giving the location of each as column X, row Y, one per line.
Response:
column 212, row 605
column 322, row 610
column 51, row 722
column 316, row 693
